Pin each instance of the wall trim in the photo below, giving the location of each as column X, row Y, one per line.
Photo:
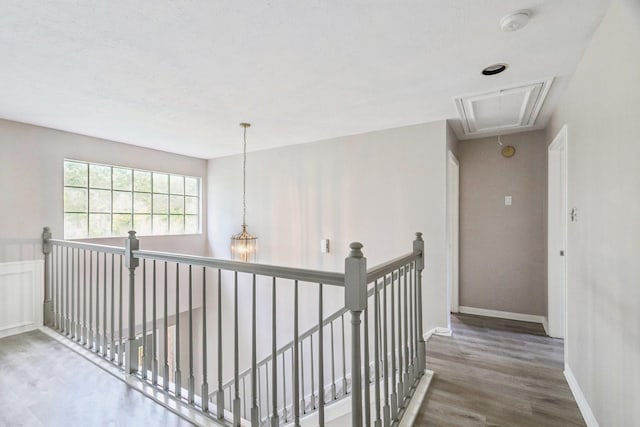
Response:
column 545, row 325
column 581, row 400
column 440, row 331
column 503, row 314
column 21, row 296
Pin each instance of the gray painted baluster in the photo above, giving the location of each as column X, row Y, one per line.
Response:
column 333, row 365
column 244, row 397
column 284, row 390
column 386, row 410
column 266, row 385
column 78, row 277
column 255, row 416
column 411, row 325
column 367, row 369
column 414, row 319
column 97, row 330
column 313, row 388
column 205, row 384
column 59, row 268
column 418, row 244
column 104, row 306
column 320, row 358
column 376, row 364
column 192, row 380
column 90, row 331
column 72, row 327
column 259, row 398
column 407, row 384
column 177, row 375
column 154, row 338
column 60, row 289
column 400, row 344
column 302, row 401
column 394, row 348
column 165, row 373
column 74, row 324
column 84, row 299
column 344, row 360
column 53, row 280
column 296, row 355
column 275, row 420
column 112, row 352
column 120, row 320
column 220, row 393
column 144, row 319
column 67, row 328
column 236, row 400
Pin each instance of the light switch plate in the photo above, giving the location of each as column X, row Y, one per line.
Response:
column 508, row 200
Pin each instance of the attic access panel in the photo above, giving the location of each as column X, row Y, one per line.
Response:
column 506, row 109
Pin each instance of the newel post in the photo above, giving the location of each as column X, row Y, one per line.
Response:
column 131, row 262
column 46, row 250
column 418, row 245
column 355, row 281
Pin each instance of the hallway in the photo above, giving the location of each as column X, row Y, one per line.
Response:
column 495, row 372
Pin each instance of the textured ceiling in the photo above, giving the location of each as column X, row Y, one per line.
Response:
column 180, row 75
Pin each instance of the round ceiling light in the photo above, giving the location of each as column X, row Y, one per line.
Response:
column 515, row 20
column 494, row 69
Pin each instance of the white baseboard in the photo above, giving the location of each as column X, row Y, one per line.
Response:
column 503, row 314
column 443, row 332
column 545, row 325
column 581, row 400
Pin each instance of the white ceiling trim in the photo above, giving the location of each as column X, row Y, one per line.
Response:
column 518, row 109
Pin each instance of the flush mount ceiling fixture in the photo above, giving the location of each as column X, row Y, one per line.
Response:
column 515, row 20
column 511, row 109
column 494, row 69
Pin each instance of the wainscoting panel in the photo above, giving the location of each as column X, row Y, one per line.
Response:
column 21, row 296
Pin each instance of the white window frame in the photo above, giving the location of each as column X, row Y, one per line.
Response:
column 197, row 217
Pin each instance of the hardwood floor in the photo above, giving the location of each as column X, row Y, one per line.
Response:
column 495, row 372
column 43, row 383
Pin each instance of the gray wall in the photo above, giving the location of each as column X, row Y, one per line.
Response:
column 31, row 182
column 601, row 108
column 378, row 188
column 502, row 248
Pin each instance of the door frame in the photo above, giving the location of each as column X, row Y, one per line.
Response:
column 453, row 233
column 557, row 224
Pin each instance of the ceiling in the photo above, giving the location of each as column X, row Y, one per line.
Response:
column 180, row 76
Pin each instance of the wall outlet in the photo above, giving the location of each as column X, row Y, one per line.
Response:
column 508, row 200
column 324, row 246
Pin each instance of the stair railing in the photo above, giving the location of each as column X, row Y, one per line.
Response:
column 88, row 294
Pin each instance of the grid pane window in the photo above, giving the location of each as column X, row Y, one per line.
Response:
column 160, row 183
column 104, row 201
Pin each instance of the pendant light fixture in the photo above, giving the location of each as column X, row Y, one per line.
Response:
column 243, row 244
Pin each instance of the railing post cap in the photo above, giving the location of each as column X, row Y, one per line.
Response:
column 356, row 250
column 132, row 234
column 46, row 236
column 418, row 235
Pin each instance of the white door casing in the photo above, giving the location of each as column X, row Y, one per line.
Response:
column 557, row 235
column 453, row 214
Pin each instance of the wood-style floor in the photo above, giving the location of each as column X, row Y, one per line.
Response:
column 495, row 372
column 43, row 383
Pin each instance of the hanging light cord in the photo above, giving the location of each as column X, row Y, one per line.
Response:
column 244, row 180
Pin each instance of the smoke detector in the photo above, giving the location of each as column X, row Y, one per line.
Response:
column 515, row 20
